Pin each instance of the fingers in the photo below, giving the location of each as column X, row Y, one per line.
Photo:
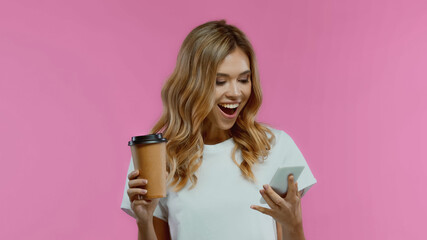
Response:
column 134, row 192
column 275, row 198
column 144, row 202
column 263, row 210
column 268, row 199
column 137, row 183
column 301, row 193
column 284, row 195
column 292, row 190
column 134, row 174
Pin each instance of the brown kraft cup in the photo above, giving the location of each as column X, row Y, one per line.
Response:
column 149, row 156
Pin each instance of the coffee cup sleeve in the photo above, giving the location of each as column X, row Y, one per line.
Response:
column 161, row 210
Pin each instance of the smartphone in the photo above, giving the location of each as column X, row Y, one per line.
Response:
column 279, row 182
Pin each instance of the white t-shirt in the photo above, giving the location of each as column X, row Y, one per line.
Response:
column 219, row 206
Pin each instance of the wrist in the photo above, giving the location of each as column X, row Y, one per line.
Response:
column 144, row 222
column 293, row 232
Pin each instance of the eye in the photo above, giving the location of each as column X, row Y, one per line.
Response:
column 246, row 80
column 220, row 82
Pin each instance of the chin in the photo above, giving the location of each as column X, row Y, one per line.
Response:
column 226, row 127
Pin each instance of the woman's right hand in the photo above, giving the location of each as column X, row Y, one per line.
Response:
column 143, row 208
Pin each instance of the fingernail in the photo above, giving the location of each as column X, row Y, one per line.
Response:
column 265, row 186
column 252, row 206
column 144, row 191
column 145, row 181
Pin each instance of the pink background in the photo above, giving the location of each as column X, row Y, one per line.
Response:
column 346, row 79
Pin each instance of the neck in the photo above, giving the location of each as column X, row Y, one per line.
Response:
column 213, row 135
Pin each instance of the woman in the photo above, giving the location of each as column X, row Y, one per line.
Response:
column 218, row 155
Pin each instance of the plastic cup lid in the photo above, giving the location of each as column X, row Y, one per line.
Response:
column 147, row 139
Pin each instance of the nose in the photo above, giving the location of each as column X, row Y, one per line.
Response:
column 233, row 90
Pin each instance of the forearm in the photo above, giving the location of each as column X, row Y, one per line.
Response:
column 146, row 231
column 295, row 233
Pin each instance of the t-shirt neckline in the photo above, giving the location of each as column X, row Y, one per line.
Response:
column 219, row 146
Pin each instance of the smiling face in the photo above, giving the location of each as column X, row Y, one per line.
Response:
column 232, row 91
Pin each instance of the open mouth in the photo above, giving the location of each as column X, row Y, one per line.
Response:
column 228, row 109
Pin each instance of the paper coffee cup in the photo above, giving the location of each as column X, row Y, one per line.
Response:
column 149, row 156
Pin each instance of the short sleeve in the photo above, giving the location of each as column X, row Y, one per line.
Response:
column 161, row 210
column 294, row 157
column 125, row 206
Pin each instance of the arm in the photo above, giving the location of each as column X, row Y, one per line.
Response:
column 279, row 231
column 149, row 227
column 287, row 235
column 154, row 230
column 297, row 234
column 146, row 231
column 286, row 211
column 161, row 228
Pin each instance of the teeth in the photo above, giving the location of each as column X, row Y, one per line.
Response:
column 229, row 105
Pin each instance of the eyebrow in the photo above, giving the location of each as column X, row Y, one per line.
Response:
column 226, row 75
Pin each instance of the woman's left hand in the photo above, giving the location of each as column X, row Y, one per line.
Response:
column 285, row 210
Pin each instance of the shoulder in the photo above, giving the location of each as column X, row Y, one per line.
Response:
column 280, row 136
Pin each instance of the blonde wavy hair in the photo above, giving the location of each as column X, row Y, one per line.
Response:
column 188, row 98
